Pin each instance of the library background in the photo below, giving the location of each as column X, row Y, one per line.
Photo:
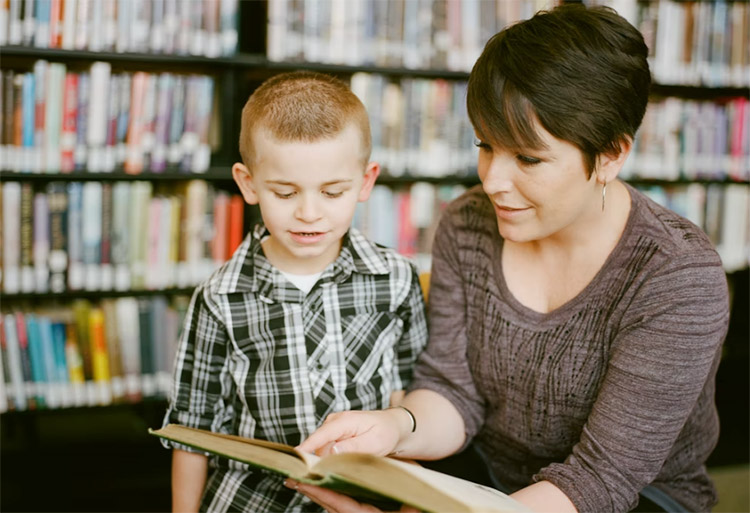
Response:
column 118, row 131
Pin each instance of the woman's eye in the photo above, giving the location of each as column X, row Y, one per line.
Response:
column 284, row 195
column 525, row 159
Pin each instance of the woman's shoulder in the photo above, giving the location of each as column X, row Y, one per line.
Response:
column 673, row 235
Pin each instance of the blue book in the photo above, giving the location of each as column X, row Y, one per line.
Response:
column 27, row 131
column 75, row 236
column 36, row 356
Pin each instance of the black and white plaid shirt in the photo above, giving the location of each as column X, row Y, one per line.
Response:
column 259, row 358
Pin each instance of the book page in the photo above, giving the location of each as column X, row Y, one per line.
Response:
column 259, row 453
column 417, row 486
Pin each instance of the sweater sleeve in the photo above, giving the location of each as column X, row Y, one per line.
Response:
column 663, row 354
column 443, row 366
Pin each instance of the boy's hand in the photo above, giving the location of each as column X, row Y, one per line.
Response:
column 335, row 502
column 373, row 432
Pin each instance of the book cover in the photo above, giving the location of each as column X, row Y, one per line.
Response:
column 69, row 118
column 367, row 477
column 128, row 333
column 99, row 356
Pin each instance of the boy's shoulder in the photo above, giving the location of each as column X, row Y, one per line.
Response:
column 237, row 273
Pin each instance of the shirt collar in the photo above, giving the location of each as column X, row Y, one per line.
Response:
column 250, row 271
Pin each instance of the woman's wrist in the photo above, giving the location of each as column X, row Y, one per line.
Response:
column 405, row 421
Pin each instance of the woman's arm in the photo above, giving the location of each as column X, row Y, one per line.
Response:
column 189, row 471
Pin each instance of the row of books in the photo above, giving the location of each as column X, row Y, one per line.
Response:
column 424, row 34
column 123, row 236
column 60, row 120
column 196, row 27
column 89, row 354
column 405, row 218
column 419, row 126
column 697, row 43
column 693, row 139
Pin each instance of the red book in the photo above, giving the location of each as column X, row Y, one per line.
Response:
column 69, row 117
column 236, row 216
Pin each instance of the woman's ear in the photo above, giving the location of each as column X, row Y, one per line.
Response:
column 244, row 180
column 610, row 164
column 371, row 174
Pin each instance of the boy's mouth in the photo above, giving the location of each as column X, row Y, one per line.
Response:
column 307, row 237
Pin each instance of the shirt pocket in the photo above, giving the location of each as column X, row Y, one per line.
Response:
column 369, row 343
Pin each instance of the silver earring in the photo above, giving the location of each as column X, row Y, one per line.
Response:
column 604, row 194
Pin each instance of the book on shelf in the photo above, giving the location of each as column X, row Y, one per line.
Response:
column 370, row 478
column 122, row 25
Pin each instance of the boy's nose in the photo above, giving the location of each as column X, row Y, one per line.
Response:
column 307, row 209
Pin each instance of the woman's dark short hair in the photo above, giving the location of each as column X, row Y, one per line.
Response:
column 581, row 72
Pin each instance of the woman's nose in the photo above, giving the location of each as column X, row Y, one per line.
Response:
column 496, row 174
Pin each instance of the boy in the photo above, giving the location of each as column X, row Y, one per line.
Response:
column 308, row 317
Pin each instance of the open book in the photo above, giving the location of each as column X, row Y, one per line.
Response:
column 375, row 479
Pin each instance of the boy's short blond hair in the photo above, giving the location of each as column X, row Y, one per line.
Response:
column 302, row 106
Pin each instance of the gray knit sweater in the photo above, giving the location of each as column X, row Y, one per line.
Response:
column 608, row 393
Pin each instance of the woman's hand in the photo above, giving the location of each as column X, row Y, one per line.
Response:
column 335, row 502
column 373, row 432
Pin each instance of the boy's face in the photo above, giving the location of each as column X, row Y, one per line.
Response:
column 307, row 193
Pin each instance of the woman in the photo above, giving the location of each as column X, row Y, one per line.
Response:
column 575, row 325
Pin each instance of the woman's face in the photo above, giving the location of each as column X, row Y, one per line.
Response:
column 539, row 194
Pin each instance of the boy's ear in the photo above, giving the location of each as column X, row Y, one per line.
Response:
column 371, row 174
column 610, row 164
column 244, row 180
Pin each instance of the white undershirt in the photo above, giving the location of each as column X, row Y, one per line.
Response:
column 304, row 282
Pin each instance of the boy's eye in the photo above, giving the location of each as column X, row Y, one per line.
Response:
column 525, row 159
column 284, row 195
column 333, row 194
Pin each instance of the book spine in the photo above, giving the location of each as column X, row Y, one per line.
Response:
column 58, row 219
column 76, row 272
column 12, row 350
column 68, row 135
column 27, row 239
column 96, row 135
column 92, row 234
column 53, row 116
column 99, row 356
column 41, row 242
column 236, row 223
column 70, row 11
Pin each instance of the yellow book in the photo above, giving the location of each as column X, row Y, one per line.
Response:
column 99, row 356
column 380, row 480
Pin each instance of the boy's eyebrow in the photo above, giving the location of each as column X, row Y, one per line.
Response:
column 331, row 182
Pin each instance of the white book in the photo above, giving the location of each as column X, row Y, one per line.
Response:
column 15, row 23
column 157, row 32
column 11, row 237
column 734, row 247
column 96, row 33
column 96, row 135
column 109, row 24
column 228, row 12
column 53, row 116
column 122, row 41
column 70, row 11
column 92, row 234
column 128, row 334
column 17, row 391
column 170, row 23
column 120, row 237
column 83, row 24
column 28, row 27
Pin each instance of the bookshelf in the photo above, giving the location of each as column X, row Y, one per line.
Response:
column 384, row 69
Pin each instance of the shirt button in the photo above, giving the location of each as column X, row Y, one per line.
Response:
column 320, row 366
